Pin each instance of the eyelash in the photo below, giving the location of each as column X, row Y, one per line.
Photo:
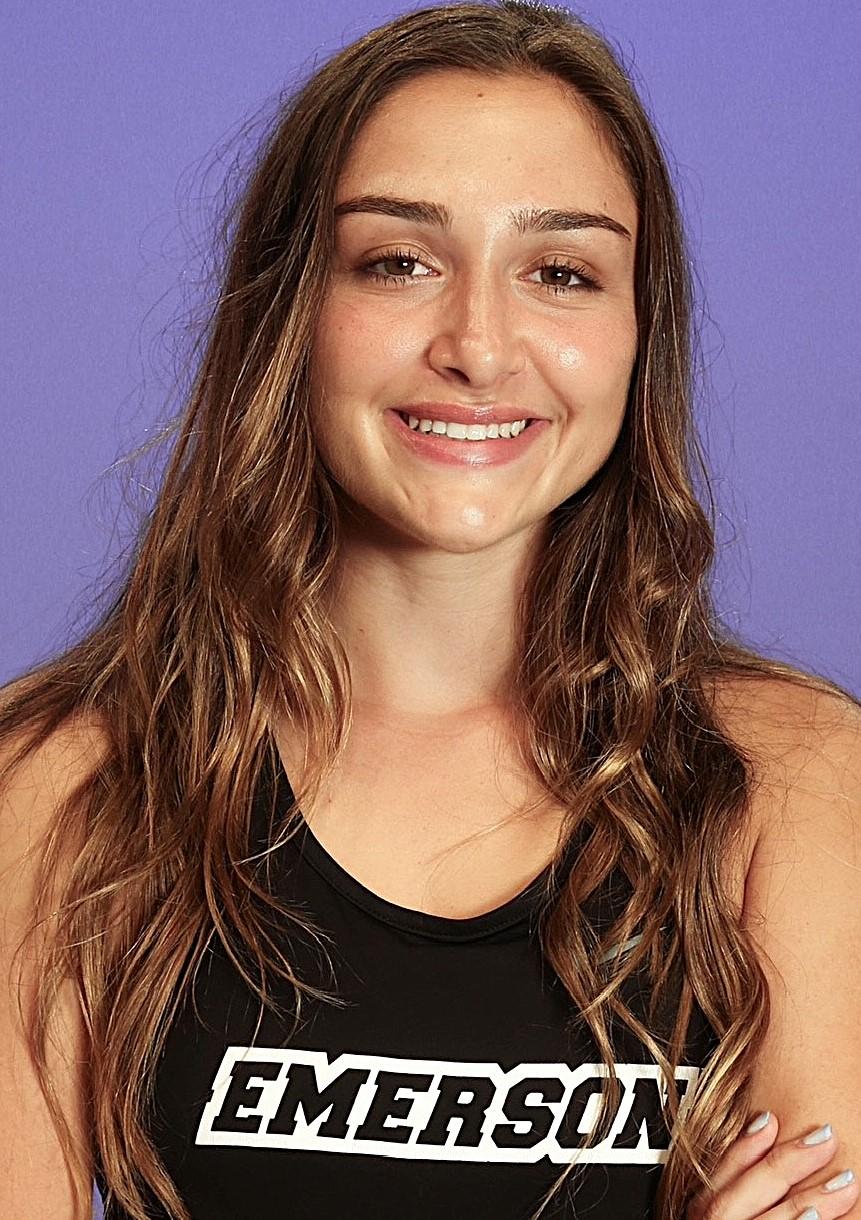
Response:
column 590, row 284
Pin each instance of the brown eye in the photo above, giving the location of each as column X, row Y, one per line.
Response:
column 557, row 269
column 394, row 258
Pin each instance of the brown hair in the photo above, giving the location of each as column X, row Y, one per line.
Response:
column 221, row 622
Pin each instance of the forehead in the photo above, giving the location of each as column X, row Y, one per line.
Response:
column 486, row 142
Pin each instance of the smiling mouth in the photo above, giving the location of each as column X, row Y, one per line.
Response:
column 465, row 432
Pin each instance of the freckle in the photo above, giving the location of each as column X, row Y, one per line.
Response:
column 471, row 515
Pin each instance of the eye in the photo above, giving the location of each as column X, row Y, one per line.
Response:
column 588, row 282
column 391, row 256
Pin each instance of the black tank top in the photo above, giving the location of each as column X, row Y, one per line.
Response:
column 450, row 1082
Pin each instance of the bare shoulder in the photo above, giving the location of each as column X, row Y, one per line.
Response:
column 53, row 768
column 778, row 713
column 34, row 786
column 797, row 739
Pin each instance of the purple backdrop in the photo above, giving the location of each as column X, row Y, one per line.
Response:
column 114, row 112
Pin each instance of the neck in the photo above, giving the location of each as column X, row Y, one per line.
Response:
column 429, row 633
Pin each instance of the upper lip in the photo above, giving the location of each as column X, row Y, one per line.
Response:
column 456, row 413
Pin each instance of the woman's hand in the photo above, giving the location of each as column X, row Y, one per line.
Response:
column 755, row 1179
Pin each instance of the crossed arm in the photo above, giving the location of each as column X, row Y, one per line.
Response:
column 802, row 905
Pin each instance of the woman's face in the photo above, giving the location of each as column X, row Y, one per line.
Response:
column 473, row 324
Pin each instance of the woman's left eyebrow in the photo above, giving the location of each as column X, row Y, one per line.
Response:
column 525, row 220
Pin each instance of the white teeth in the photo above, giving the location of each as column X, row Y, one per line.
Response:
column 468, row 432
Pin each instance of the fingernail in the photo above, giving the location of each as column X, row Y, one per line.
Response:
column 819, row 1136
column 842, row 1179
column 810, row 1213
column 758, row 1123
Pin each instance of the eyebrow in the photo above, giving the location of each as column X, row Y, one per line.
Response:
column 524, row 220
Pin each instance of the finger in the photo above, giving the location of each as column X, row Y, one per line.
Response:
column 746, row 1151
column 768, row 1181
column 817, row 1202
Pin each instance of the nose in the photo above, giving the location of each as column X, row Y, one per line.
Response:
column 475, row 333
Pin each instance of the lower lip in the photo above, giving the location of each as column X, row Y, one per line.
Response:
column 466, row 453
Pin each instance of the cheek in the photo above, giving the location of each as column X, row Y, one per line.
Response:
column 592, row 362
column 356, row 348
column 569, row 357
column 339, row 343
column 355, row 356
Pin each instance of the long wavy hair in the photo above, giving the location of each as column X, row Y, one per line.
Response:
column 220, row 624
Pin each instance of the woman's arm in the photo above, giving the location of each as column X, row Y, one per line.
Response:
column 34, row 1181
column 802, row 905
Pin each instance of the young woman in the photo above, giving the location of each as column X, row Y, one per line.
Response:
column 410, row 839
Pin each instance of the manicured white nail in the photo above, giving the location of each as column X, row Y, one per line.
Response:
column 758, row 1123
column 842, row 1179
column 819, row 1136
column 810, row 1213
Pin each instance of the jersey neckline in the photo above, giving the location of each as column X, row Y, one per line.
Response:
column 510, row 914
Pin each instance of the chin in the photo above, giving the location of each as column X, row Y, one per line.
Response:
column 457, row 529
column 463, row 539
